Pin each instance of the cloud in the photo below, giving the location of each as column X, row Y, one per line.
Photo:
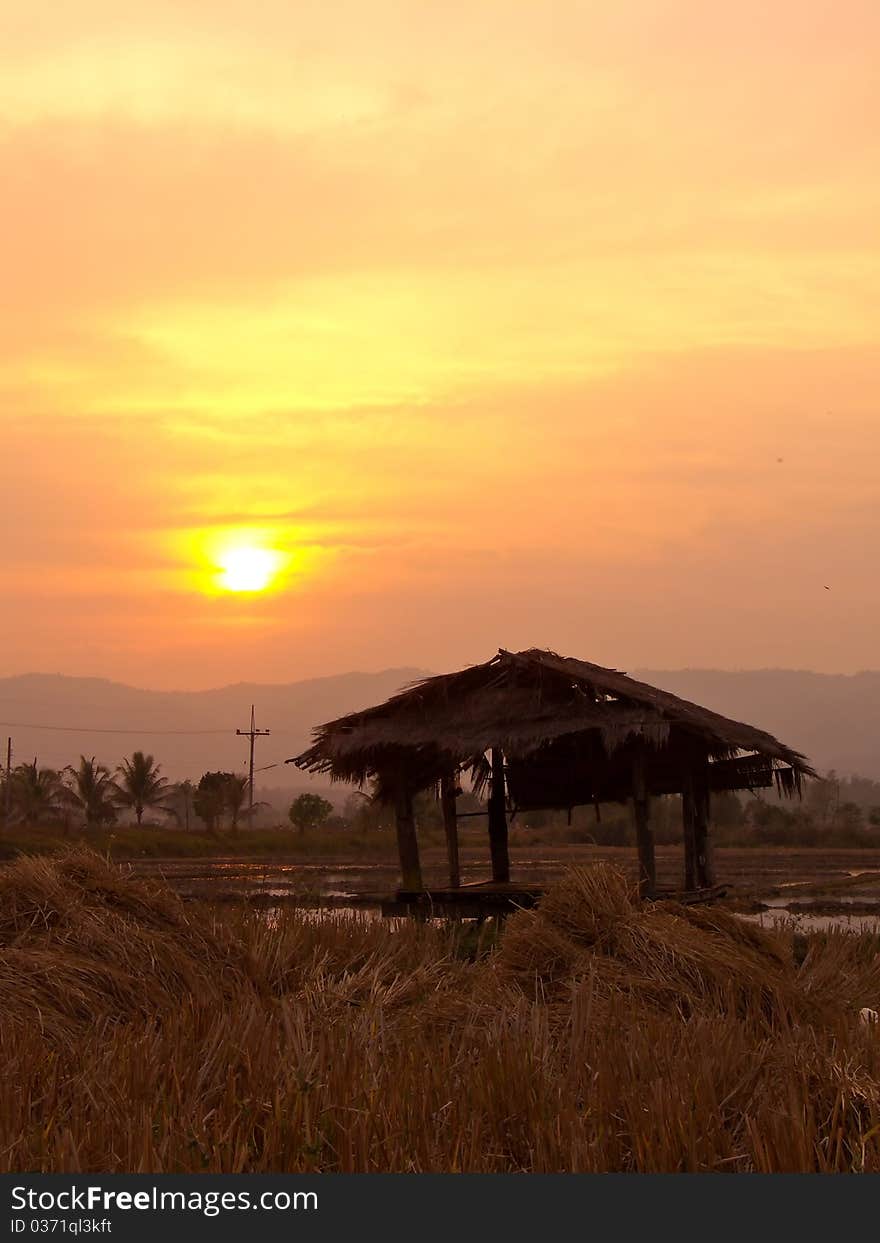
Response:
column 504, row 314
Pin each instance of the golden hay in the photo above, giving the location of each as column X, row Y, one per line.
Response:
column 80, row 940
column 667, row 955
column 137, row 1033
column 586, row 903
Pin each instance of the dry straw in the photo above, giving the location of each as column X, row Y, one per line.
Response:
column 141, row 1033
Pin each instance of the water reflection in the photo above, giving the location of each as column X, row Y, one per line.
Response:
column 804, row 921
column 356, row 889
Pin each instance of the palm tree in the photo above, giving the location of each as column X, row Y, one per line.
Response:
column 93, row 792
column 236, row 794
column 37, row 793
column 140, row 784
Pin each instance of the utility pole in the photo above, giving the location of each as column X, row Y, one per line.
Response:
column 253, row 733
column 7, row 810
column 186, row 790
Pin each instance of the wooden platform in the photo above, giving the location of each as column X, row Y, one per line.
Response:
column 484, row 898
column 692, row 897
column 474, row 901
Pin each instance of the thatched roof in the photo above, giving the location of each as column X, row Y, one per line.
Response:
column 559, row 721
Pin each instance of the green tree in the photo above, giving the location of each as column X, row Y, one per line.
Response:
column 37, row 794
column 771, row 824
column 727, row 810
column 309, row 811
column 849, row 820
column 209, row 801
column 364, row 813
column 822, row 798
column 141, row 785
column 92, row 792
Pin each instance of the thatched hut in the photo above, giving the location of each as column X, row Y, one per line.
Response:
column 538, row 730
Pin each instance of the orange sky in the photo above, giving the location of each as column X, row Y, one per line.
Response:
column 500, row 323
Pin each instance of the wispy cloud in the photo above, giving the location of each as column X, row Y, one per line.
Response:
column 518, row 320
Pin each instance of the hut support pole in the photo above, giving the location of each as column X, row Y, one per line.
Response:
column 688, row 824
column 407, row 842
column 448, row 787
column 498, row 820
column 705, row 864
column 644, row 832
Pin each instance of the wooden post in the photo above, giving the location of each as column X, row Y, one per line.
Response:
column 448, row 789
column 407, row 842
column 498, row 820
column 705, row 864
column 7, row 809
column 688, row 822
column 644, row 832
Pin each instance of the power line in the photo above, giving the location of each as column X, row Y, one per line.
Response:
column 91, row 729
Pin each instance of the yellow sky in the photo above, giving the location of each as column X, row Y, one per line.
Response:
column 496, row 323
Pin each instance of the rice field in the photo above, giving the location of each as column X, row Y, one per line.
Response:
column 140, row 1033
column 749, row 871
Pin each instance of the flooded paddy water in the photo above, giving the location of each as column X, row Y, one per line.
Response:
column 808, row 889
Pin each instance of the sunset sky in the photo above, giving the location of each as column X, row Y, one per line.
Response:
column 483, row 322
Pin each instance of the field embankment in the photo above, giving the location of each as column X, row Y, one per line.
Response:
column 141, row 1033
column 129, row 842
column 267, row 859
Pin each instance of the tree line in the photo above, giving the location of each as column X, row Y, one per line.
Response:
column 92, row 795
column 834, row 809
column 88, row 792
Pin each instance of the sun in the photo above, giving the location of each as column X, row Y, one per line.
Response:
column 235, row 561
column 247, row 568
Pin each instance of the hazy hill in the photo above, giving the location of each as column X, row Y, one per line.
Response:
column 834, row 719
column 79, row 710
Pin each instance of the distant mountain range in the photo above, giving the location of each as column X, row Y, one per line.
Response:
column 834, row 719
column 58, row 718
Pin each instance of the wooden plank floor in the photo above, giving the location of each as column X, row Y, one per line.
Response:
column 468, row 902
column 483, row 898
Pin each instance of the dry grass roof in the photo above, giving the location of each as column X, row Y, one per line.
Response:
column 527, row 703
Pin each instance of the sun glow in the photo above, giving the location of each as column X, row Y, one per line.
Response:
column 248, row 568
column 243, row 561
